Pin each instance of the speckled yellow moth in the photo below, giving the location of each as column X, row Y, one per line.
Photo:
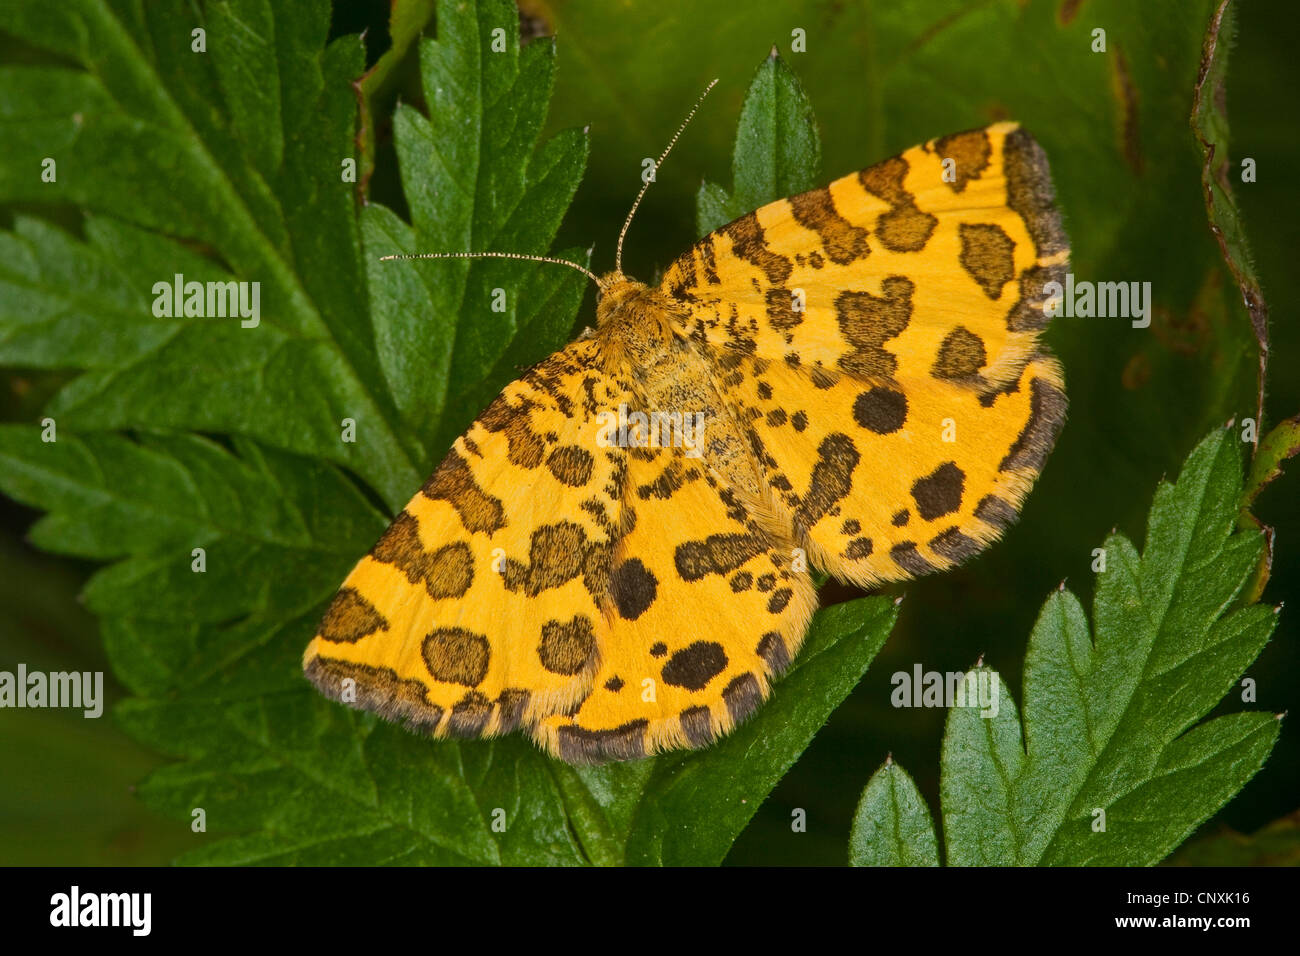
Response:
column 615, row 557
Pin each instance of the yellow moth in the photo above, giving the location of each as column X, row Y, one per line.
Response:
column 615, row 557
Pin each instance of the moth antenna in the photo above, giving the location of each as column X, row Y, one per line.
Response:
column 501, row 255
column 618, row 252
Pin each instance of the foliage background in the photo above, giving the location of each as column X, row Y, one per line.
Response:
column 880, row 77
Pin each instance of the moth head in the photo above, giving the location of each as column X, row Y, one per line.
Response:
column 621, row 296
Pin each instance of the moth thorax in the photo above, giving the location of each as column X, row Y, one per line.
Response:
column 634, row 320
column 618, row 295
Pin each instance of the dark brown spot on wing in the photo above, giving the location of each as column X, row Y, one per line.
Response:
column 749, row 243
column 987, row 255
column 633, row 588
column 567, row 647
column 400, row 546
column 842, row 241
column 859, row 549
column 695, row 665
column 771, row 647
column 822, row 378
column 571, row 465
column 742, row 696
column 450, row 571
column 557, row 554
column 904, row 227
column 455, row 655
column 697, row 726
column 781, row 313
column 667, row 483
column 525, row 447
column 960, row 356
column 996, row 511
column 909, row 559
column 511, row 704
column 469, row 715
column 939, row 493
column 831, row 481
column 779, row 600
column 595, row 571
column 970, row 152
column 881, row 410
column 716, row 554
column 1027, row 314
column 454, row 483
column 954, row 545
column 867, row 321
column 350, row 617
column 708, row 260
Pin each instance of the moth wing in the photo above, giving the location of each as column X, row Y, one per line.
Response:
column 480, row 608
column 914, row 267
column 902, row 414
column 706, row 608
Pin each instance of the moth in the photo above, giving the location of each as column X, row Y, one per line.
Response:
column 615, row 557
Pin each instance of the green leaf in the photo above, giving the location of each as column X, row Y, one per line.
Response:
column 257, row 185
column 778, row 152
column 892, row 825
column 1111, row 711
